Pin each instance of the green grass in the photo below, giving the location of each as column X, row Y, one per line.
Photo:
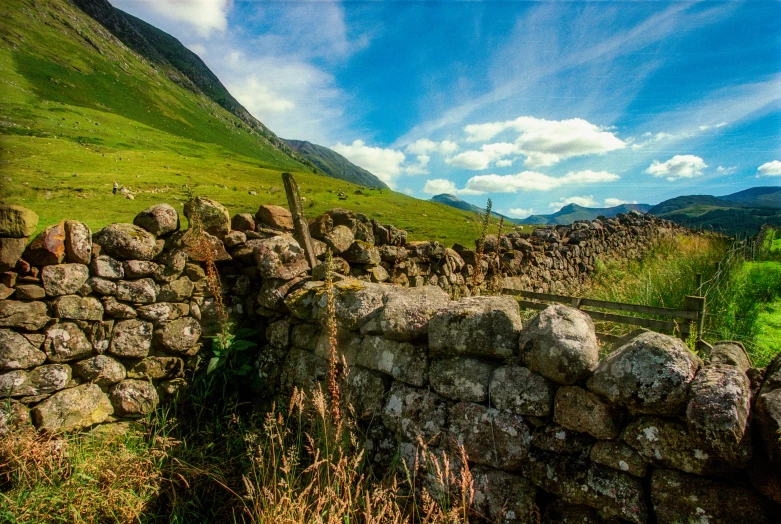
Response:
column 75, row 120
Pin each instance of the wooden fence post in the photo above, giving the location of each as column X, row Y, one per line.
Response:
column 299, row 219
column 698, row 284
column 697, row 304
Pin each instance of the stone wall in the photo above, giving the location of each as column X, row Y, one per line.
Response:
column 101, row 327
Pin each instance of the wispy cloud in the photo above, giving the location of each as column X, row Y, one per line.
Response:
column 205, row 16
column 772, row 168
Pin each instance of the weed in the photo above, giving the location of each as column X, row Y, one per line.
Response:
column 486, row 219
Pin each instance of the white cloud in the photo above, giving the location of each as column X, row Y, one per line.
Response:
column 409, row 191
column 547, row 142
column 438, row 186
column 386, row 164
column 613, row 202
column 534, row 181
column 259, row 99
column 425, row 146
column 482, row 159
column 679, row 166
column 198, row 49
column 727, row 170
column 769, row 169
column 504, row 163
column 203, row 15
column 584, row 201
column 714, row 126
column 517, row 212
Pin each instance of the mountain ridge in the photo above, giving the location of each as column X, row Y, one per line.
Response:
column 335, row 165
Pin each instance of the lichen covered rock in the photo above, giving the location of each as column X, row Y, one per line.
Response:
column 74, row 408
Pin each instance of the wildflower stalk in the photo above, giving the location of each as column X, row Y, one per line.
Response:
column 330, row 329
column 481, row 244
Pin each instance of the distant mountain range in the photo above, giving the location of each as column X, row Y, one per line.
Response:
column 333, row 164
column 573, row 212
column 452, row 201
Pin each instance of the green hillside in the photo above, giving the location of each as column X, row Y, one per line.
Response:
column 81, row 110
column 757, row 197
column 335, row 165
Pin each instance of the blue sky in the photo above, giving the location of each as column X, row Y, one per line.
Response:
column 533, row 104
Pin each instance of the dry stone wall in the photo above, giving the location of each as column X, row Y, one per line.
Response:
column 101, row 327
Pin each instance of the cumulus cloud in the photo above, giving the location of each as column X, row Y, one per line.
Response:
column 482, row 159
column 584, row 201
column 257, row 96
column 727, row 170
column 424, row 146
column 438, row 186
column 504, row 163
column 204, row 16
column 534, row 181
column 518, row 212
column 769, row 169
column 386, row 164
column 547, row 142
column 613, row 202
column 679, row 166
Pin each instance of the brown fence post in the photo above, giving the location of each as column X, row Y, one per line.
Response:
column 299, row 219
column 697, row 304
column 698, row 284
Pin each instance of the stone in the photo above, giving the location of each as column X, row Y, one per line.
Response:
column 338, row 266
column 560, row 344
column 413, row 413
column 66, row 341
column 483, row 326
column 127, row 242
column 5, row 291
column 502, row 497
column 159, row 219
column 170, row 265
column 731, row 354
column 180, row 335
column 408, row 311
column 401, row 360
column 766, row 417
column 650, row 374
column 667, row 443
column 72, row 409
column 48, row 247
column 78, row 242
column 64, row 279
column 160, row 313
column 99, row 335
column 560, row 512
column 517, row 390
column 378, row 274
column 131, row 338
column 460, row 378
column 141, row 291
column 30, row 316
column 104, row 266
column 275, row 217
column 304, row 336
column 42, row 380
column 301, row 368
column 339, row 239
column 234, row 238
column 677, row 497
column 489, row 436
column 365, row 393
column 718, row 411
column 361, row 252
column 349, row 345
column 17, row 221
column 116, row 309
column 199, row 246
column 14, row 417
column 75, row 307
column 243, row 222
column 619, row 456
column 171, row 390
column 212, row 216
column 278, row 334
column 280, row 257
column 101, row 369
column 134, row 398
column 138, row 268
column 572, row 478
column 11, row 250
column 581, row 410
column 16, row 352
column 557, row 439
column 177, row 291
column 156, row 368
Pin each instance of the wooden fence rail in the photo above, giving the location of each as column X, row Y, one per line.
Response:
column 694, row 312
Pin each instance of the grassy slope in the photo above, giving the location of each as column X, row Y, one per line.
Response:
column 80, row 111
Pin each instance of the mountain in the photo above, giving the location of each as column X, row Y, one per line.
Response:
column 335, row 165
column 573, row 212
column 455, row 202
column 738, row 213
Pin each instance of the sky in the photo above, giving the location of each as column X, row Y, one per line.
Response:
column 532, row 104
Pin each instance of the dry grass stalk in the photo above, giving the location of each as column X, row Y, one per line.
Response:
column 481, row 247
column 330, row 328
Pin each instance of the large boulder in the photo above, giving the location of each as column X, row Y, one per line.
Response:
column 100, row 369
column 581, row 410
column 17, row 221
column 75, row 307
column 408, row 311
column 213, row 216
column 131, row 338
column 243, row 222
column 718, row 410
column 78, row 242
column 11, row 250
column 66, row 341
column 413, row 413
column 731, row 354
column 159, row 219
column 280, row 257
column 48, row 247
column 560, row 344
column 667, row 443
column 30, row 316
column 180, row 335
column 74, row 408
column 275, row 217
column 16, row 352
column 516, row 389
column 127, row 242
column 650, row 374
column 461, row 378
column 479, row 326
column 401, row 360
column 199, row 245
column 677, row 497
column 339, row 239
column 40, row 381
column 64, row 279
column 134, row 398
column 361, row 252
